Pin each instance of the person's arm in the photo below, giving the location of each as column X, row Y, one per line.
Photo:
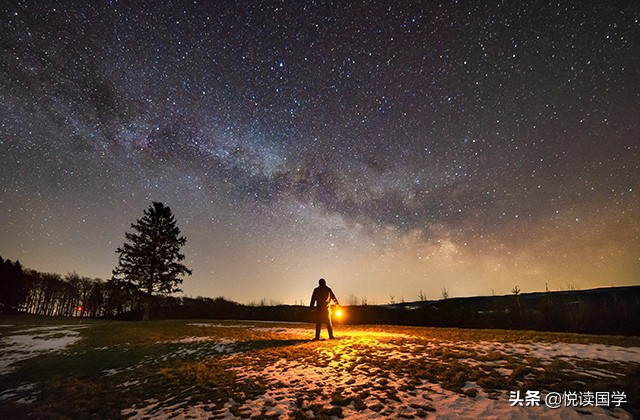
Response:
column 335, row 299
column 313, row 299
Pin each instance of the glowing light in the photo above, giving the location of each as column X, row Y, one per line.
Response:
column 339, row 313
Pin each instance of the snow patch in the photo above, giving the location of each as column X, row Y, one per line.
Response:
column 31, row 342
column 549, row 351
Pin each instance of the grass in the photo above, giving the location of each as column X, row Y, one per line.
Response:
column 118, row 369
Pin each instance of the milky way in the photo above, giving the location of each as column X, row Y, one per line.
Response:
column 390, row 147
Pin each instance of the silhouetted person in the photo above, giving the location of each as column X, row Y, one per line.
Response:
column 321, row 298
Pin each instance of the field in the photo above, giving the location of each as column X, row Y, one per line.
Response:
column 71, row 368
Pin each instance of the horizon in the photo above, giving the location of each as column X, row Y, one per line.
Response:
column 265, row 301
column 392, row 149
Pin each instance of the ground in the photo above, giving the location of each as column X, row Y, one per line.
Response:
column 214, row 369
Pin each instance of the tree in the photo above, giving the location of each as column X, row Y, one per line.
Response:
column 352, row 300
column 516, row 291
column 13, row 290
column 422, row 296
column 151, row 260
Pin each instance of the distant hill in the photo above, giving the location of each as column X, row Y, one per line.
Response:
column 608, row 310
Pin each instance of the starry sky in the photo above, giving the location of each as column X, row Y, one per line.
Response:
column 391, row 147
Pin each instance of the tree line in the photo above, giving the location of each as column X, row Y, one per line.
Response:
column 614, row 310
column 51, row 294
column 24, row 290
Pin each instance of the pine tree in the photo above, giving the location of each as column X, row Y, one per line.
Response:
column 13, row 288
column 150, row 262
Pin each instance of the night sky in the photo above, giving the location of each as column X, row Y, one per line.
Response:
column 389, row 147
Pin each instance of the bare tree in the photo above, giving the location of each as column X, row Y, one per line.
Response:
column 444, row 293
column 352, row 299
column 516, row 292
column 573, row 286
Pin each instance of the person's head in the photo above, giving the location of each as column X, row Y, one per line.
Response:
column 321, row 282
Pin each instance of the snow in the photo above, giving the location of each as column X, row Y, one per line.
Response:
column 31, row 342
column 549, row 351
column 209, row 325
column 12, row 393
column 345, row 384
column 292, row 381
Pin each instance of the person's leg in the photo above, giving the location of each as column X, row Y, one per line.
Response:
column 329, row 327
column 319, row 321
